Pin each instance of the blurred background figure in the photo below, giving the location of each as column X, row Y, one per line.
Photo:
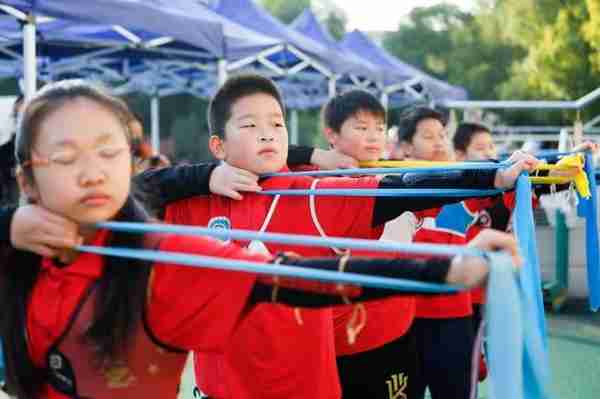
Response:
column 393, row 149
column 144, row 157
column 9, row 193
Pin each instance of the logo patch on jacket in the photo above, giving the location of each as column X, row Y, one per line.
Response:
column 455, row 218
column 219, row 222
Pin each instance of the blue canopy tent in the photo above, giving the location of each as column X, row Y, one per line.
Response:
column 147, row 30
column 85, row 42
column 169, row 18
column 194, row 77
column 399, row 76
column 361, row 73
column 302, row 52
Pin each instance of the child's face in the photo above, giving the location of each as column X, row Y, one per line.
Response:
column 84, row 166
column 256, row 138
column 361, row 136
column 430, row 142
column 480, row 148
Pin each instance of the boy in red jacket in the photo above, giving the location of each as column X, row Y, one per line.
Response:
column 246, row 117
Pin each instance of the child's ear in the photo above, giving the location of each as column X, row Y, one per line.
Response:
column 27, row 187
column 460, row 155
column 331, row 136
column 217, row 147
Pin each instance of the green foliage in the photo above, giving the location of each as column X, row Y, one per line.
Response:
column 508, row 49
column 286, row 10
column 456, row 46
column 336, row 24
column 190, row 134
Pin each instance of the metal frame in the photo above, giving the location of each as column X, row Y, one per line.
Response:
column 536, row 104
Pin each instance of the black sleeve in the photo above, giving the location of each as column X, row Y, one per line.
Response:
column 159, row 187
column 541, row 189
column 6, row 216
column 299, row 155
column 388, row 208
column 7, row 155
column 432, row 271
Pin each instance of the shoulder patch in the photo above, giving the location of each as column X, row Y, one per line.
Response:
column 454, row 217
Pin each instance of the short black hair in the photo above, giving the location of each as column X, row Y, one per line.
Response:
column 410, row 118
column 343, row 106
column 464, row 134
column 236, row 87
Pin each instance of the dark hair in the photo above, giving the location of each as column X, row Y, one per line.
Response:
column 343, row 106
column 410, row 118
column 236, row 87
column 122, row 287
column 464, row 134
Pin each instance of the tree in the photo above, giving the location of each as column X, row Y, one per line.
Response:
column 456, row 46
column 285, row 10
column 336, row 24
column 560, row 61
column 591, row 32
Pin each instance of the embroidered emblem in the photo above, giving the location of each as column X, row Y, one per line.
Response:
column 219, row 222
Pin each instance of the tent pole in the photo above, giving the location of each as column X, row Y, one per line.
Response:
column 155, row 123
column 294, row 127
column 29, row 57
column 332, row 88
column 221, row 72
column 384, row 99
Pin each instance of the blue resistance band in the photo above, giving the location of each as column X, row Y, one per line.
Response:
column 506, row 334
column 270, row 269
column 546, row 154
column 588, row 209
column 389, row 171
column 294, row 239
column 524, row 228
column 535, row 356
column 515, row 353
column 386, row 192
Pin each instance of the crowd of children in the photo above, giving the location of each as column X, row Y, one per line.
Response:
column 78, row 325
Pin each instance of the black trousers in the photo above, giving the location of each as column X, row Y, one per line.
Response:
column 387, row 372
column 445, row 349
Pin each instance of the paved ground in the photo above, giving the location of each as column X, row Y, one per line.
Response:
column 574, row 341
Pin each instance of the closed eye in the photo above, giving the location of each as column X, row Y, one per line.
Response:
column 63, row 158
column 111, row 152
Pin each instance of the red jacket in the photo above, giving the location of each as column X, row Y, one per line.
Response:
column 446, row 225
column 187, row 308
column 277, row 352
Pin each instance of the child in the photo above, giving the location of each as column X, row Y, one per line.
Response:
column 246, row 117
column 474, row 142
column 444, row 324
column 145, row 158
column 106, row 327
column 8, row 184
column 383, row 360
